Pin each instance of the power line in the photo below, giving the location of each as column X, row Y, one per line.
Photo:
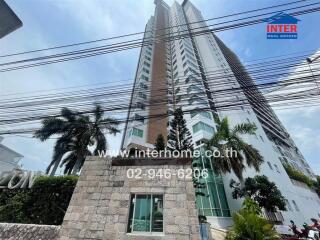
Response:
column 136, row 43
column 139, row 33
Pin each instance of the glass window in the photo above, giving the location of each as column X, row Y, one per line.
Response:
column 288, row 205
column 295, row 206
column 142, row 95
column 174, row 62
column 143, row 86
column 202, row 126
column 136, row 132
column 197, row 99
column 146, row 63
column 145, row 70
column 270, row 166
column 214, row 201
column 146, row 213
column 139, row 118
column 141, row 106
column 202, row 113
column 175, row 75
column 144, row 78
column 175, row 67
column 195, row 88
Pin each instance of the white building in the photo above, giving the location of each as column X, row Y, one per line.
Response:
column 193, row 72
column 9, row 159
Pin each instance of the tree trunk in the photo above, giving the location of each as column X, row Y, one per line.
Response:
column 76, row 167
column 54, row 169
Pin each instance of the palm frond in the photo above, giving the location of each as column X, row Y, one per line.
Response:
column 50, row 126
column 98, row 113
column 253, row 157
column 68, row 114
column 245, row 128
column 110, row 124
column 101, row 142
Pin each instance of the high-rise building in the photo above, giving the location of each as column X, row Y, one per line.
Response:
column 9, row 159
column 200, row 74
column 9, row 21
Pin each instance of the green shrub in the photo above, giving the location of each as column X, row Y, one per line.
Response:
column 249, row 225
column 297, row 175
column 45, row 203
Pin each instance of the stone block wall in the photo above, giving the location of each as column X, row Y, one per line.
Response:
column 99, row 207
column 15, row 231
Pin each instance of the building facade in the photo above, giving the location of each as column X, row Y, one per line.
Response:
column 9, row 21
column 9, row 159
column 179, row 67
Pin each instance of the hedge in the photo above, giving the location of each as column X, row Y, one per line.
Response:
column 297, row 175
column 45, row 203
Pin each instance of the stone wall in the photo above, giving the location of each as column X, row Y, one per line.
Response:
column 99, row 207
column 14, row 231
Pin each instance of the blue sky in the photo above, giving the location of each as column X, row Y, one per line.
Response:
column 51, row 23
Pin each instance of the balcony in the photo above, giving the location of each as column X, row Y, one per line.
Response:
column 274, row 217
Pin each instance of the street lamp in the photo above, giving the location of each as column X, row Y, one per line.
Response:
column 309, row 61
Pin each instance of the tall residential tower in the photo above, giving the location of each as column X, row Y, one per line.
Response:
column 200, row 74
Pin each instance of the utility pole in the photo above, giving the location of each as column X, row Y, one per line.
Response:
column 309, row 61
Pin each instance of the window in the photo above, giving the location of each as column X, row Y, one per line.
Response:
column 202, row 126
column 295, row 206
column 144, row 78
column 177, row 90
column 146, row 213
column 184, row 64
column 146, row 64
column 142, row 95
column 270, row 166
column 288, row 205
column 175, row 67
column 196, row 99
column 202, row 113
column 141, row 106
column 174, row 62
column 139, row 118
column 175, row 75
column 143, row 86
column 145, row 70
column 276, row 166
column 178, row 99
column 261, row 138
column 213, row 202
column 136, row 132
column 195, row 88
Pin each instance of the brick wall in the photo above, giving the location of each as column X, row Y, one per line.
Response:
column 99, row 207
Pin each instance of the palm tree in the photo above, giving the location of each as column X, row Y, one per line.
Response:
column 225, row 140
column 77, row 133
